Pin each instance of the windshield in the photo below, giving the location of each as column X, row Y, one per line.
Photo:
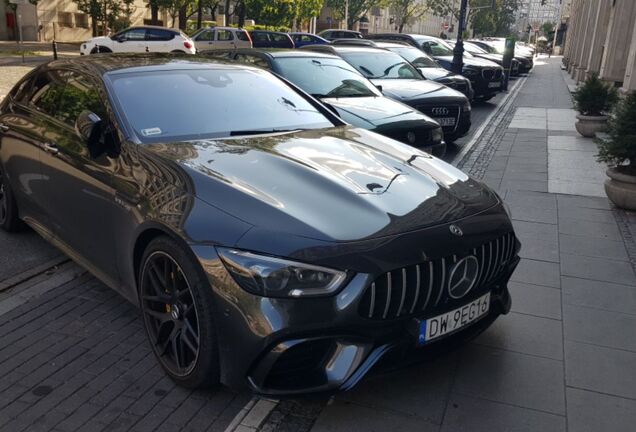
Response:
column 497, row 47
column 416, row 57
column 381, row 64
column 474, row 49
column 325, row 77
column 173, row 105
column 437, row 47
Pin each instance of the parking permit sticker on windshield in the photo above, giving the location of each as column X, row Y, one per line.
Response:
column 151, row 131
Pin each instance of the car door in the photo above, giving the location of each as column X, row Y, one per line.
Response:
column 80, row 200
column 158, row 40
column 133, row 40
column 24, row 128
column 223, row 39
column 204, row 41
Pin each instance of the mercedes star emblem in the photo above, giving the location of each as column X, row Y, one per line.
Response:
column 454, row 229
column 463, row 276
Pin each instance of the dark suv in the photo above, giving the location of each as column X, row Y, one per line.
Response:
column 485, row 76
column 333, row 34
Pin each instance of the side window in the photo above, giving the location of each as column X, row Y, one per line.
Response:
column 21, row 92
column 206, row 36
column 78, row 94
column 242, row 35
column 137, row 34
column 252, row 60
column 158, row 35
column 224, row 35
column 306, row 38
column 261, row 37
column 46, row 91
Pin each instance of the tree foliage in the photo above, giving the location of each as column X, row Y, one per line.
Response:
column 620, row 145
column 488, row 21
column 406, row 11
column 595, row 97
column 357, row 9
column 547, row 27
column 113, row 14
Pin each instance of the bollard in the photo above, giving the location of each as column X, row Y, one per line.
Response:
column 54, row 50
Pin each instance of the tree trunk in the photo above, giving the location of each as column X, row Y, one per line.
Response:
column 401, row 27
column 183, row 20
column 228, row 15
column 94, row 25
column 154, row 14
column 241, row 14
column 199, row 13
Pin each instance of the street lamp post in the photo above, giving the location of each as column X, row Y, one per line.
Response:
column 458, row 51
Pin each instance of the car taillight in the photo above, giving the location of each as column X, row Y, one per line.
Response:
column 187, row 44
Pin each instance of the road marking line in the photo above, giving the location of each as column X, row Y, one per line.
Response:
column 503, row 107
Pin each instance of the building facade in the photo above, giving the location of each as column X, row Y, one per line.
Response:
column 55, row 19
column 602, row 39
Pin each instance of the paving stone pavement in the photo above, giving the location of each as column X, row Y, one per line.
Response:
column 565, row 357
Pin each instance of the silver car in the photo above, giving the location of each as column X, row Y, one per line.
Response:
column 221, row 38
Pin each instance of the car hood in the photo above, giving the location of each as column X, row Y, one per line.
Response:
column 497, row 58
column 469, row 61
column 412, row 89
column 372, row 112
column 434, row 73
column 340, row 184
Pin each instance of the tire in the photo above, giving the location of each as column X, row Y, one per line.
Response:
column 100, row 49
column 9, row 215
column 177, row 307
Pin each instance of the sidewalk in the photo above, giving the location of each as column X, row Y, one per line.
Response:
column 565, row 357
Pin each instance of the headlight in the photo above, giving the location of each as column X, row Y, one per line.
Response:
column 466, row 107
column 470, row 72
column 437, row 134
column 275, row 277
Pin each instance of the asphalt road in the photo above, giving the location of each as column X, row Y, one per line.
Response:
column 20, row 252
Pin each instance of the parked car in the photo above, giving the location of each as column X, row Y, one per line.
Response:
column 524, row 57
column 140, row 39
column 301, row 39
column 354, row 98
column 221, row 38
column 271, row 39
column 473, row 50
column 333, row 34
column 485, row 76
column 267, row 243
column 402, row 82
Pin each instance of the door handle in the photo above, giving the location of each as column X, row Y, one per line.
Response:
column 51, row 148
column 4, row 127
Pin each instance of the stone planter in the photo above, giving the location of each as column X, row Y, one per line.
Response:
column 621, row 189
column 589, row 125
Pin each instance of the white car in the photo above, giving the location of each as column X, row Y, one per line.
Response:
column 221, row 38
column 140, row 39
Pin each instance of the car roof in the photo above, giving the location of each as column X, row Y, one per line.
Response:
column 267, row 31
column 383, row 44
column 153, row 27
column 102, row 64
column 340, row 30
column 281, row 52
column 356, row 48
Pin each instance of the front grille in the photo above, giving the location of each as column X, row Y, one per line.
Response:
column 420, row 288
column 498, row 74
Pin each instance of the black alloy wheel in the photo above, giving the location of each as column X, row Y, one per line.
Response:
column 177, row 313
column 9, row 220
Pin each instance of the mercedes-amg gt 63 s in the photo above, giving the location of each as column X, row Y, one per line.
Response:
column 267, row 243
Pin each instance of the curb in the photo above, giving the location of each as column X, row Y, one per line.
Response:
column 252, row 415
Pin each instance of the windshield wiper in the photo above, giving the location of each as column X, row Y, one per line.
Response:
column 259, row 131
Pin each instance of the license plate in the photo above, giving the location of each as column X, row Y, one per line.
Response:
column 445, row 121
column 449, row 322
column 494, row 84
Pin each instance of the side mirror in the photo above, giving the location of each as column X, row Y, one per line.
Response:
column 91, row 128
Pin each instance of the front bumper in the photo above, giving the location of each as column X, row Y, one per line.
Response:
column 281, row 347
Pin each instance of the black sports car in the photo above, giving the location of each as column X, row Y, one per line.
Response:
column 473, row 50
column 401, row 81
column 354, row 98
column 525, row 59
column 267, row 244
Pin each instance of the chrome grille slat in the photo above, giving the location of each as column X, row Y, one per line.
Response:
column 422, row 292
column 388, row 295
column 403, row 292
column 417, row 287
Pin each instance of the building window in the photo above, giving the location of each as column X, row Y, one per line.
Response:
column 81, row 20
column 65, row 19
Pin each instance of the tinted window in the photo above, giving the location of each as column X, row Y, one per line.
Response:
column 135, row 34
column 77, row 95
column 242, row 35
column 46, row 91
column 260, row 37
column 224, row 35
column 437, row 48
column 474, row 49
column 415, row 56
column 158, row 35
column 208, row 103
column 325, row 77
column 381, row 65
column 277, row 37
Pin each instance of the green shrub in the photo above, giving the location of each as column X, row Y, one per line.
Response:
column 191, row 25
column 594, row 97
column 619, row 148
